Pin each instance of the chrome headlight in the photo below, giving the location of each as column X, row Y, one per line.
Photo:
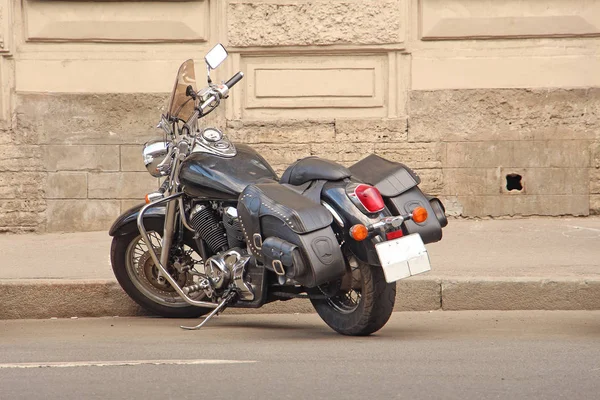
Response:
column 154, row 153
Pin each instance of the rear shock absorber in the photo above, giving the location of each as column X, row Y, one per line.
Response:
column 208, row 227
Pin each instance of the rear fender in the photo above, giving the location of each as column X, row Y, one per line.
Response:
column 127, row 222
column 334, row 195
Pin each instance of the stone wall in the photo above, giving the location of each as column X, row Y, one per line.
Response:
column 466, row 92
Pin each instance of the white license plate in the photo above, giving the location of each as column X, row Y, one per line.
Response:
column 403, row 257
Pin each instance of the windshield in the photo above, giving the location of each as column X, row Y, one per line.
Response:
column 181, row 105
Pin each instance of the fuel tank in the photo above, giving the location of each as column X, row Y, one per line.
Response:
column 214, row 177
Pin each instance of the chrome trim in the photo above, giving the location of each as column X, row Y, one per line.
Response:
column 217, row 271
column 183, row 216
column 232, row 212
column 155, row 153
column 335, row 214
column 210, row 140
column 394, row 222
column 164, row 125
column 159, row 265
column 222, row 147
column 237, row 270
column 257, row 241
column 278, row 267
column 154, row 196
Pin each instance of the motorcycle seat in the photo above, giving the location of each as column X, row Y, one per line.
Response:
column 314, row 168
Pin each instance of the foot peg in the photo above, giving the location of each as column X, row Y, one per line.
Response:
column 226, row 300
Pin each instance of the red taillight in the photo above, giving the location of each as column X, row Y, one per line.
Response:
column 394, row 235
column 370, row 198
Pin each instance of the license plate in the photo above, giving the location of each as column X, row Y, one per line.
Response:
column 403, row 257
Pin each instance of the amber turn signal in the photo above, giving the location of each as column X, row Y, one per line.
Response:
column 419, row 215
column 359, row 232
column 147, row 198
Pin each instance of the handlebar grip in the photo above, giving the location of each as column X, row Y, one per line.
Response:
column 234, row 79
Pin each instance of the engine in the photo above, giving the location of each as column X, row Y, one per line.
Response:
column 232, row 225
column 205, row 223
column 226, row 269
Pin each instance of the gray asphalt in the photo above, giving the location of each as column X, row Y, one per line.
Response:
column 424, row 355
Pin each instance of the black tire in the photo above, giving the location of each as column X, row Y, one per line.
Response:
column 373, row 309
column 118, row 255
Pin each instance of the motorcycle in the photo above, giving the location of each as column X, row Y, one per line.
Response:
column 224, row 230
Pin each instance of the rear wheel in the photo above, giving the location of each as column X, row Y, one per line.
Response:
column 364, row 308
column 138, row 275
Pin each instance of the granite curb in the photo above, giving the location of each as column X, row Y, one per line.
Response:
column 62, row 298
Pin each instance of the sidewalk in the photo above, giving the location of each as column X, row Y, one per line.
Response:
column 536, row 263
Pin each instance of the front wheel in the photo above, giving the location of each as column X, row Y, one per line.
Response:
column 364, row 308
column 138, row 276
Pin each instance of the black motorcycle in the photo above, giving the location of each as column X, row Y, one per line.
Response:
column 225, row 231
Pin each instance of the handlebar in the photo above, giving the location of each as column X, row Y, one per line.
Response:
column 216, row 96
column 234, row 79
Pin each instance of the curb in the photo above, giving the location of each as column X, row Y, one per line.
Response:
column 27, row 299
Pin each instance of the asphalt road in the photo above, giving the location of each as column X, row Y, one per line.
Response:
column 430, row 355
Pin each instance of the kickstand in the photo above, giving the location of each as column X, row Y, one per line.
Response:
column 214, row 312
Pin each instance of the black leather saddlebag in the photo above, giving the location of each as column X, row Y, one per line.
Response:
column 290, row 234
column 398, row 185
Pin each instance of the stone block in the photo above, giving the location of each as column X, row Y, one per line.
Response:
column 81, row 215
column 473, row 181
column 23, row 185
column 263, row 23
column 595, row 204
column 418, row 294
column 120, row 185
column 432, row 180
column 345, row 153
column 131, row 158
column 537, row 181
column 281, row 132
column 350, row 153
column 65, row 299
column 415, row 155
column 86, row 119
column 504, row 114
column 594, row 180
column 66, row 185
column 595, row 153
column 282, row 155
column 127, row 204
column 551, row 153
column 20, row 158
column 524, row 205
column 21, row 215
column 81, row 158
column 521, row 294
column 490, row 154
column 371, row 130
column 454, row 207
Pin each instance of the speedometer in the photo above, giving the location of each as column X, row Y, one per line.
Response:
column 212, row 135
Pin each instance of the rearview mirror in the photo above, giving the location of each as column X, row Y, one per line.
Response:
column 215, row 56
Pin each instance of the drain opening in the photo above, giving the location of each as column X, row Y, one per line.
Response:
column 513, row 182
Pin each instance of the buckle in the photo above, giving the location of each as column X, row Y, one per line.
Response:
column 257, row 240
column 278, row 267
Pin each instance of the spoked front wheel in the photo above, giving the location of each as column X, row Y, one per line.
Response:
column 138, row 275
column 364, row 308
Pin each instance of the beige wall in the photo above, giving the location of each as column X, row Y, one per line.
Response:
column 465, row 91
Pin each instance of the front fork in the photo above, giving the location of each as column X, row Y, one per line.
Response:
column 169, row 229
